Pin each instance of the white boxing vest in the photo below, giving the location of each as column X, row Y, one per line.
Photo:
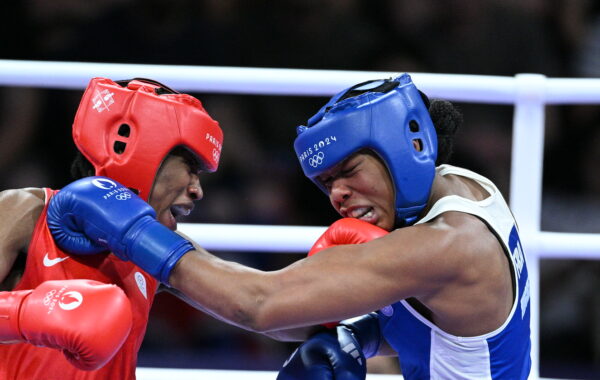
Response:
column 427, row 352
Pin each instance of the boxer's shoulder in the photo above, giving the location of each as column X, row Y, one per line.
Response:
column 23, row 199
column 20, row 209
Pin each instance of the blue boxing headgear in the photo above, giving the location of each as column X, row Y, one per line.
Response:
column 385, row 116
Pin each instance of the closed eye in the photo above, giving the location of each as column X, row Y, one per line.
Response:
column 327, row 183
column 347, row 172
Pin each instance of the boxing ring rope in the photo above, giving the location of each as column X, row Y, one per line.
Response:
column 529, row 93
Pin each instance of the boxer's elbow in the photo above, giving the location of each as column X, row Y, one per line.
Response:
column 252, row 315
column 261, row 305
column 256, row 313
column 263, row 324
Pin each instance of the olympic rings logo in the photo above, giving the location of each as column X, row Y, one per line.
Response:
column 48, row 297
column 215, row 155
column 316, row 160
column 123, row 196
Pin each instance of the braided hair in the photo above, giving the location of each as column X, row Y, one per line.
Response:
column 446, row 119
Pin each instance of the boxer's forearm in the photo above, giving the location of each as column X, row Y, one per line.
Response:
column 215, row 286
column 298, row 334
column 309, row 292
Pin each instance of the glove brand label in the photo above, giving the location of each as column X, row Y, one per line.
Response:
column 102, row 100
column 49, row 297
column 351, row 349
column 70, row 300
column 388, row 310
column 122, row 194
column 104, row 183
column 66, row 300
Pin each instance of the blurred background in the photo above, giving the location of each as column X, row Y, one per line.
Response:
column 259, row 180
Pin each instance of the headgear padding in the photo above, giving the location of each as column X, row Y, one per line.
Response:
column 127, row 128
column 388, row 117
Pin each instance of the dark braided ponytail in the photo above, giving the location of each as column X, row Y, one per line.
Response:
column 446, row 119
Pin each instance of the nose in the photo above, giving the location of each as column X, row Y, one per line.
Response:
column 339, row 192
column 194, row 189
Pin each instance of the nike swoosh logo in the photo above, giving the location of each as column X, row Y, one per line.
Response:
column 48, row 262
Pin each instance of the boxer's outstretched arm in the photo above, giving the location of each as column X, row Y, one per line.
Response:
column 299, row 334
column 347, row 281
column 19, row 211
column 344, row 282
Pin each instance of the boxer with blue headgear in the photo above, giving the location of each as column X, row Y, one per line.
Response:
column 389, row 117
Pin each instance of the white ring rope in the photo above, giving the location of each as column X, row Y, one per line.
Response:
column 299, row 239
column 272, row 81
column 528, row 92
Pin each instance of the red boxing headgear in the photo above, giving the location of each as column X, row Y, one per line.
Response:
column 127, row 128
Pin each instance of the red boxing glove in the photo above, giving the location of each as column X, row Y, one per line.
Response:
column 346, row 231
column 87, row 320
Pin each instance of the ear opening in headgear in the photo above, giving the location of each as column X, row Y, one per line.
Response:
column 124, row 130
column 119, row 147
column 418, row 145
column 413, row 125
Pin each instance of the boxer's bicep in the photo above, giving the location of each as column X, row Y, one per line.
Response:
column 19, row 211
column 354, row 279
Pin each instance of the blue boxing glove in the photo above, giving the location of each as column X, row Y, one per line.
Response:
column 338, row 353
column 96, row 214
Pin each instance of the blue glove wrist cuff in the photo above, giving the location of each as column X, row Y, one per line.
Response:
column 155, row 248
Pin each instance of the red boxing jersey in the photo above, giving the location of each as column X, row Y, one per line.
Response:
column 45, row 261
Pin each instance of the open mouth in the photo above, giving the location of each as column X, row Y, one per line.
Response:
column 181, row 210
column 361, row 213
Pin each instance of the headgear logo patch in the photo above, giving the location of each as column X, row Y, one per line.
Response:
column 316, row 160
column 102, row 100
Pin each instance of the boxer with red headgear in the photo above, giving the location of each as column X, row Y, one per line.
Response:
column 156, row 142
